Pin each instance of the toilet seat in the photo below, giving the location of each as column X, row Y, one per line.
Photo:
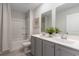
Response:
column 26, row 47
column 26, row 44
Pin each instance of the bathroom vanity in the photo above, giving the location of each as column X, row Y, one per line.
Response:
column 53, row 46
column 67, row 20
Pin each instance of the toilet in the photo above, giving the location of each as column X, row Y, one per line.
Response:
column 26, row 47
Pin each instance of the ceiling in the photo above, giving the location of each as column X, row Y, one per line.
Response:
column 66, row 6
column 24, row 7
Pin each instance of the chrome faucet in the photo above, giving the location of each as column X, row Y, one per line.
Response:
column 64, row 36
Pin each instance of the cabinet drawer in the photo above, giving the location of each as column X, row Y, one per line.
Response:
column 48, row 48
column 49, row 44
column 62, row 50
column 33, row 45
column 38, row 48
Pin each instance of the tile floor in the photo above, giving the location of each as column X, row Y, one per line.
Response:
column 17, row 53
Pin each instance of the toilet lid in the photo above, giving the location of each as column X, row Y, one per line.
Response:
column 26, row 43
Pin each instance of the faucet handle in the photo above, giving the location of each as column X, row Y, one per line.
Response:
column 64, row 35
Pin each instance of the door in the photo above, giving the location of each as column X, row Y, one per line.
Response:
column 48, row 48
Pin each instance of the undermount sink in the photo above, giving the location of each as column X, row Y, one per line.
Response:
column 69, row 41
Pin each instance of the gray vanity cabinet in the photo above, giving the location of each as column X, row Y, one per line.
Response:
column 41, row 47
column 65, row 51
column 38, row 48
column 48, row 48
column 33, row 39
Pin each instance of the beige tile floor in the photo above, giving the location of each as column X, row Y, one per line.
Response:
column 15, row 53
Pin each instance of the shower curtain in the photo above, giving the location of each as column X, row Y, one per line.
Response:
column 5, row 17
column 0, row 28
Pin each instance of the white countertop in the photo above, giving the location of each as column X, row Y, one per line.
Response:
column 68, row 43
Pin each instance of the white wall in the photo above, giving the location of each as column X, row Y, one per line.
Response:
column 44, row 8
column 28, row 23
column 31, row 21
column 18, row 30
column 62, row 18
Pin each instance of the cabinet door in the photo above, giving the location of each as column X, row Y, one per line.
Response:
column 64, row 51
column 33, row 45
column 48, row 48
column 38, row 49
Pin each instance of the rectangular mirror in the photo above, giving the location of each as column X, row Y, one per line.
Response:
column 46, row 20
column 67, row 18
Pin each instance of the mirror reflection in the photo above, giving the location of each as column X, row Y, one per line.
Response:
column 46, row 20
column 67, row 18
